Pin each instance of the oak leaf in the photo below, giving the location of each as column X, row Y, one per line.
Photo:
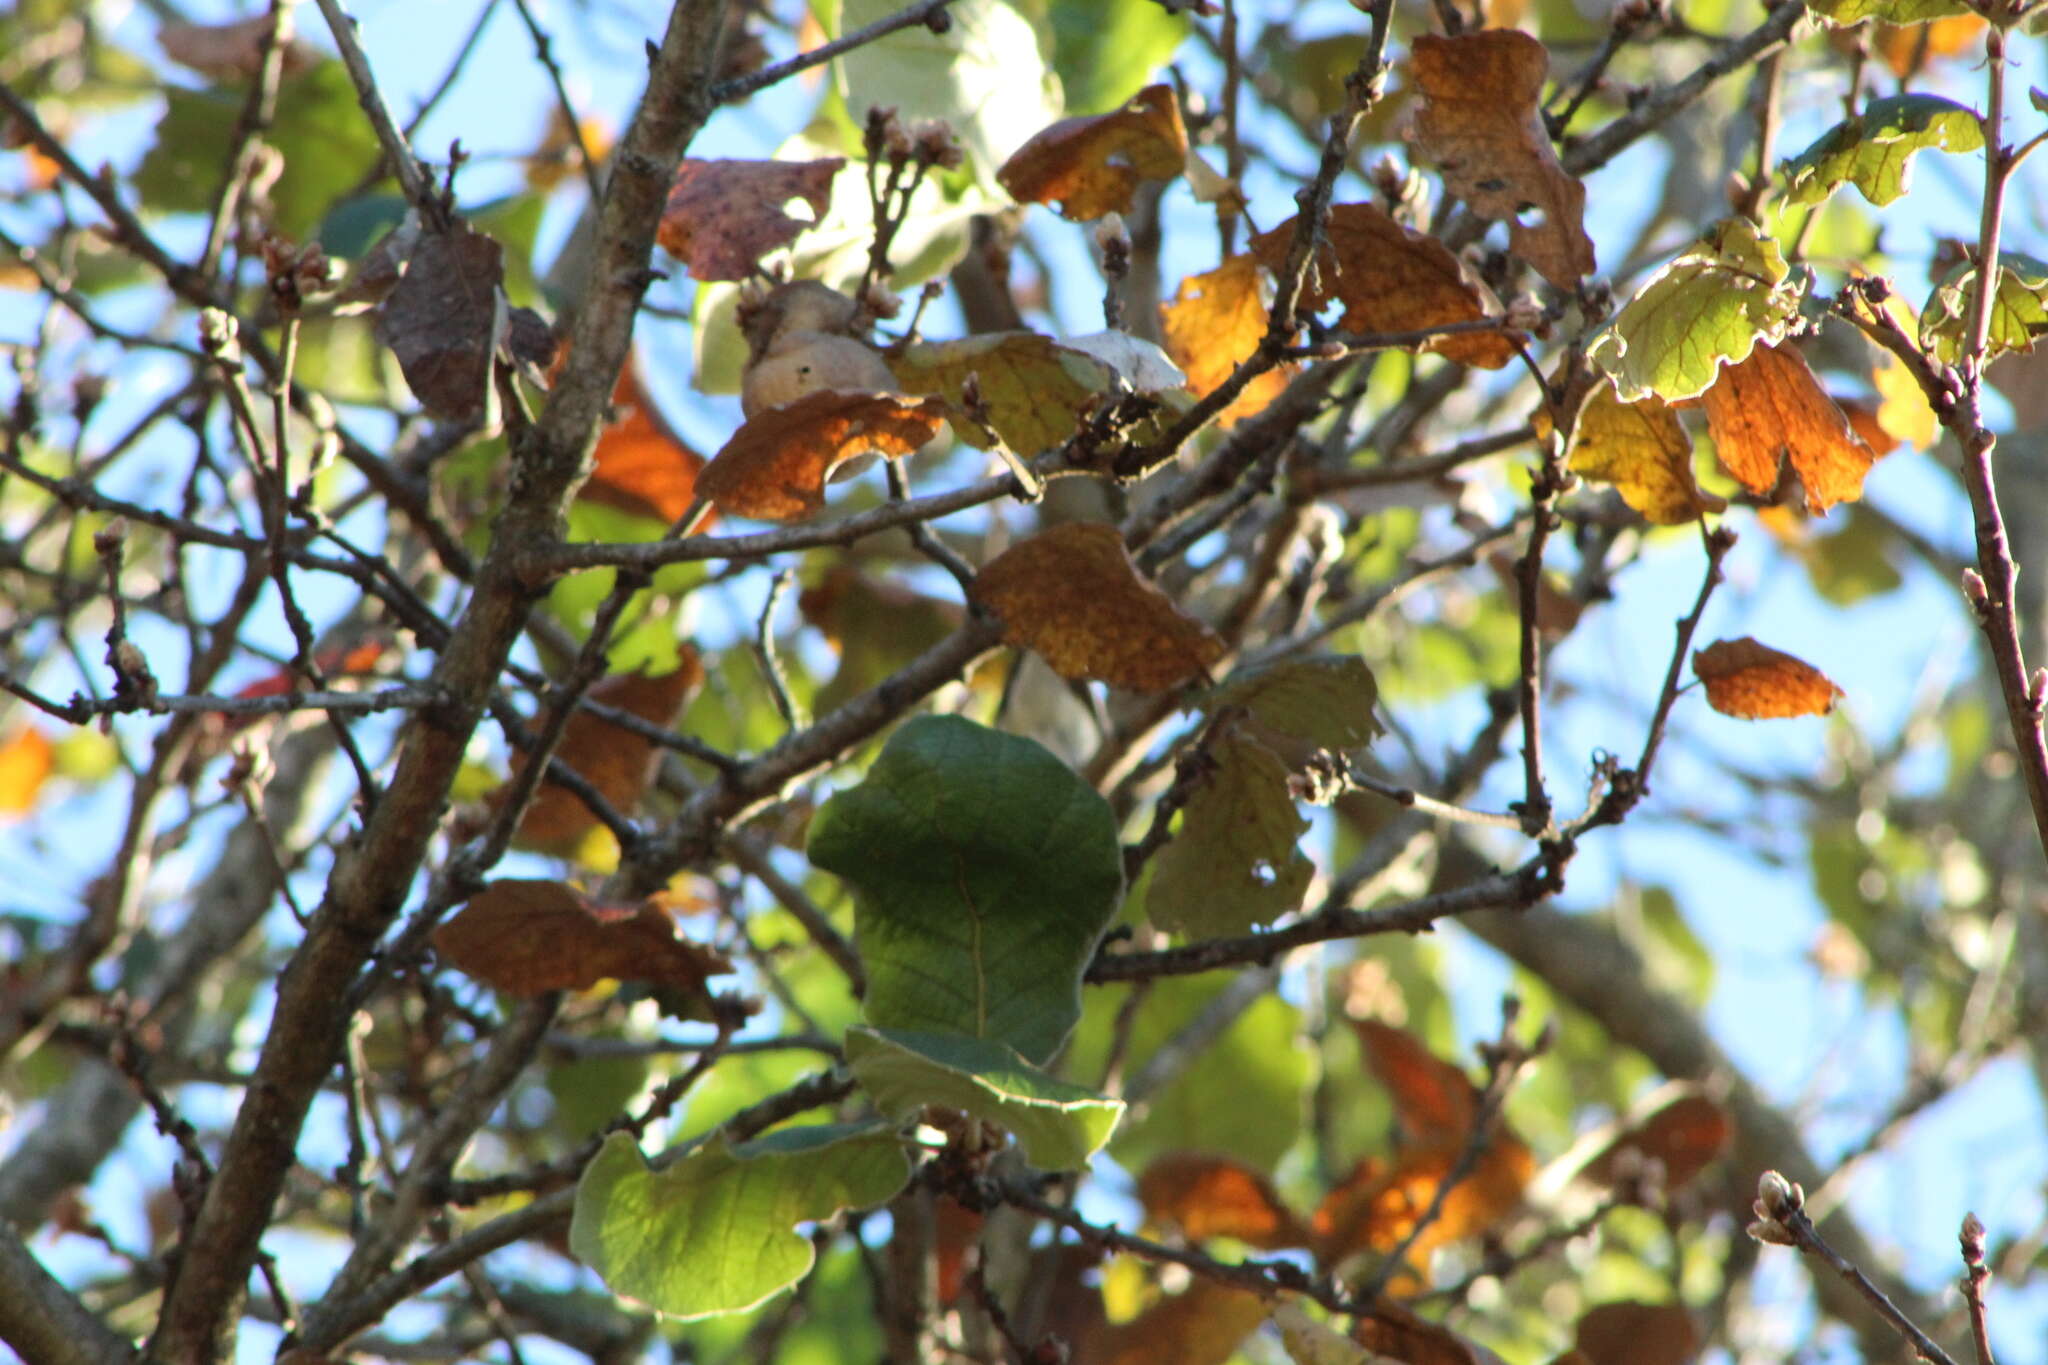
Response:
column 1391, row 279
column 1643, row 451
column 616, row 761
column 1479, row 121
column 1213, row 324
column 1213, row 1196
column 1091, row 166
column 776, row 465
column 723, row 216
column 527, row 937
column 1770, row 406
column 640, row 465
column 26, row 758
column 1752, row 681
column 1074, row 596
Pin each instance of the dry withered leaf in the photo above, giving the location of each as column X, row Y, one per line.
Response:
column 776, row 465
column 613, row 759
column 234, row 52
column 1201, row 1325
column 1091, row 166
column 1074, row 596
column 526, row 937
column 1434, row 1101
column 1479, row 121
column 640, row 465
column 723, row 216
column 1770, row 406
column 1213, row 323
column 1643, row 451
column 1391, row 279
column 1397, row 1333
column 1683, row 1136
column 1213, row 1196
column 26, row 758
column 1752, row 681
column 444, row 318
column 1638, row 1334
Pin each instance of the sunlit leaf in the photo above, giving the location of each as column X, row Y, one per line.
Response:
column 1874, row 150
column 26, row 758
column 2019, row 308
column 1682, row 1137
column 1201, row 1325
column 1212, row 324
column 1846, row 12
column 1033, row 390
column 1643, row 451
column 1770, row 407
column 1325, row 699
column 777, row 464
column 640, row 465
column 1091, row 165
column 1906, row 46
column 1752, row 681
column 1213, row 1196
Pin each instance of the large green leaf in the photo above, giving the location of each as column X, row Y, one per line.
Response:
column 984, row 75
column 2019, row 309
column 983, row 871
column 1234, row 863
column 1712, row 304
column 1846, row 12
column 1874, row 150
column 1105, row 51
column 1059, row 1125
column 714, row 1233
column 320, row 132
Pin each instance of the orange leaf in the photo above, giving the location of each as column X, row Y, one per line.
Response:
column 1395, row 1332
column 560, row 150
column 1642, row 450
column 776, row 465
column 1755, row 682
column 1216, row 321
column 1213, row 1196
column 722, row 217
column 1091, row 166
column 614, row 760
column 26, row 757
column 527, row 937
column 640, row 465
column 1906, row 47
column 1638, row 1334
column 1380, row 1203
column 1390, row 279
column 1074, row 596
column 956, row 1230
column 1480, row 123
column 1202, row 1325
column 1434, row 1101
column 1770, row 406
column 1683, row 1136
column 1863, row 420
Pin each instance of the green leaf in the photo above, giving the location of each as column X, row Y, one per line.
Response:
column 984, row 75
column 1712, row 304
column 2019, row 309
column 1105, row 51
column 983, row 871
column 1855, row 562
column 1035, row 390
column 713, row 1233
column 1846, row 12
column 1874, row 150
column 1326, row 699
column 320, row 132
column 1234, row 863
column 1058, row 1124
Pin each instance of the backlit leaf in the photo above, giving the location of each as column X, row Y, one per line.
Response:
column 1752, row 681
column 983, row 870
column 1643, row 451
column 1035, row 391
column 640, row 465
column 1906, row 47
column 529, row 937
column 1212, row 1196
column 776, row 465
column 1091, row 165
column 1391, row 279
column 723, row 216
column 1770, row 407
column 715, row 1232
column 1103, row 50
column 1396, row 1333
column 1325, row 699
column 1874, row 150
column 1234, row 865
column 1308, row 1342
column 1212, row 324
column 1716, row 302
column 1846, row 12
column 2019, row 308
column 1074, row 596
column 1480, row 123
column 26, row 758
column 1434, row 1101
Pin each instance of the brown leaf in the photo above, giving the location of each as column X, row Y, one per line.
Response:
column 1683, row 1136
column 1091, row 166
column 1202, row 1325
column 614, row 760
column 722, row 217
column 1399, row 1334
column 640, row 465
column 26, row 758
column 1557, row 611
column 443, row 319
column 1391, row 279
column 527, row 937
column 1770, row 406
column 956, row 1231
column 1434, row 1101
column 1642, row 450
column 1638, row 1334
column 1479, row 121
column 1074, row 596
column 1213, row 1196
column 1214, row 322
column 233, row 52
column 776, row 465
column 1755, row 682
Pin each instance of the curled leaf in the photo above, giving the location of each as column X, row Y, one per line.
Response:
column 1091, row 166
column 1770, row 407
column 1074, row 596
column 776, row 465
column 1643, row 451
column 1752, row 681
column 723, row 216
column 528, row 937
